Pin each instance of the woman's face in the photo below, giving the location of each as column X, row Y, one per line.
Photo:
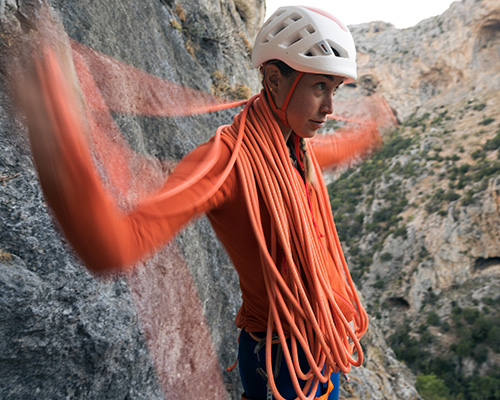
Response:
column 311, row 102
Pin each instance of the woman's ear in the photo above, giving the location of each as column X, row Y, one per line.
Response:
column 273, row 77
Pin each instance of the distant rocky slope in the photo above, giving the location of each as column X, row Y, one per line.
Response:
column 419, row 221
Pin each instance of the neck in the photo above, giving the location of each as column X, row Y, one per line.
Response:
column 280, row 113
column 284, row 130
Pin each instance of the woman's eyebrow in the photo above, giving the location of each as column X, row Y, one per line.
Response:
column 331, row 78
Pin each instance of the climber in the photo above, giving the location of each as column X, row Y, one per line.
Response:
column 258, row 182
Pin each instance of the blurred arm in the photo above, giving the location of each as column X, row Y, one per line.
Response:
column 346, row 145
column 105, row 237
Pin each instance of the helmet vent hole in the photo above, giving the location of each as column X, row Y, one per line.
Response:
column 277, row 30
column 310, row 29
column 338, row 50
column 324, row 48
column 292, row 40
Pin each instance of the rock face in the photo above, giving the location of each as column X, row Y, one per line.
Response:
column 65, row 334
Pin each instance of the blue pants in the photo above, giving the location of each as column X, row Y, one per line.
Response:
column 255, row 385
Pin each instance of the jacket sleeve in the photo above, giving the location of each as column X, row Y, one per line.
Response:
column 103, row 235
column 345, row 146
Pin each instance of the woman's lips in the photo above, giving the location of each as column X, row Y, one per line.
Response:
column 317, row 124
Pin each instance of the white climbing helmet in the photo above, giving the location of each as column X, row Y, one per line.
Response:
column 308, row 40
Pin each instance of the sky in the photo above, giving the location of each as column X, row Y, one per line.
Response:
column 401, row 13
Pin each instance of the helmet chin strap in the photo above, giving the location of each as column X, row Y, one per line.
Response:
column 281, row 112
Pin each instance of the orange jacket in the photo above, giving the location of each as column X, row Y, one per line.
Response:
column 108, row 238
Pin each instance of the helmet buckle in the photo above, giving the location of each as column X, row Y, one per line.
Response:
column 325, row 47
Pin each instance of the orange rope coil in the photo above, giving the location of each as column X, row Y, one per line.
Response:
column 300, row 291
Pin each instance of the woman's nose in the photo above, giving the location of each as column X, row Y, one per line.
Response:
column 327, row 105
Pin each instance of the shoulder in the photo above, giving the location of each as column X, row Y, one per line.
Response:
column 212, row 160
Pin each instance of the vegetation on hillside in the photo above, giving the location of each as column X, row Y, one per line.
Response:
column 424, row 167
column 477, row 338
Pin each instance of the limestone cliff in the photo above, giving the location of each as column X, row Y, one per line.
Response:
column 421, row 219
column 65, row 334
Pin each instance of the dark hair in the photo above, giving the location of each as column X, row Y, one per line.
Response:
column 284, row 68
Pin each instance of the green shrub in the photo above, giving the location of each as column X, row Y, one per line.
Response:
column 437, row 199
column 445, row 327
column 485, row 170
column 480, row 354
column 492, row 144
column 400, row 232
column 468, row 199
column 433, row 318
column 493, row 338
column 379, row 284
column 386, row 257
column 414, row 122
column 393, row 147
column 477, row 154
column 464, row 348
column 431, row 387
column 487, row 121
column 470, row 315
column 383, row 215
column 451, row 195
column 479, row 387
column 481, row 326
column 463, row 169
